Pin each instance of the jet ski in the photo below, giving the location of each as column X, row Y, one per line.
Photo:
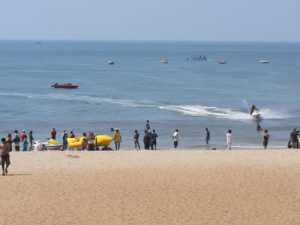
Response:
column 256, row 114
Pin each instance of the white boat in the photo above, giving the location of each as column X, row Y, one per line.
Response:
column 41, row 146
column 164, row 61
column 264, row 61
column 222, row 61
column 110, row 62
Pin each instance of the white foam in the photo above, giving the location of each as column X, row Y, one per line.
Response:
column 190, row 110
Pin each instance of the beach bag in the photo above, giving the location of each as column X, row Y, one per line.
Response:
column 289, row 144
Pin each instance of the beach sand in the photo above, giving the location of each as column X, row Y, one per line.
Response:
column 152, row 187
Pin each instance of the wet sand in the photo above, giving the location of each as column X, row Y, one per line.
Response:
column 152, row 187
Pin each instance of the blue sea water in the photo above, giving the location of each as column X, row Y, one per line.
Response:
column 188, row 95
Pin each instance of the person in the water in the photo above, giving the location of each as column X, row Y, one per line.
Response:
column 252, row 109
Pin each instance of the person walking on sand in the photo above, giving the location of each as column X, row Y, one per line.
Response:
column 175, row 139
column 154, row 139
column 4, row 153
column 136, row 137
column 266, row 137
column 53, row 134
column 117, row 139
column 229, row 139
column 207, row 136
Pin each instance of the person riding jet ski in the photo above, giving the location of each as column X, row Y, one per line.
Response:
column 253, row 108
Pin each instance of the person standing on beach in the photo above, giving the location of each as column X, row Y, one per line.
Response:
column 266, row 137
column 22, row 137
column 31, row 138
column 229, row 139
column 17, row 141
column 65, row 142
column 175, row 139
column 9, row 141
column 25, row 144
column 136, row 140
column 207, row 136
column 154, row 141
column 117, row 139
column 4, row 153
column 294, row 138
column 146, row 140
column 53, row 134
column 91, row 141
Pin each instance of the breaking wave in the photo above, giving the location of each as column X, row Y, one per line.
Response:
column 190, row 110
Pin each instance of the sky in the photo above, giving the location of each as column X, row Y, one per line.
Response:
column 151, row 20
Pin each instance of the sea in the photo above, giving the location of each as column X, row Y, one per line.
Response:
column 185, row 95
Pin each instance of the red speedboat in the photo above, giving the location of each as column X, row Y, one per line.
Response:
column 67, row 86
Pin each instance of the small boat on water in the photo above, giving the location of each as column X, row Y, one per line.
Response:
column 164, row 61
column 110, row 62
column 66, row 86
column 222, row 61
column 264, row 61
column 197, row 58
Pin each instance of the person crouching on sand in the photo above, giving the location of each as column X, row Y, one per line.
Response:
column 4, row 152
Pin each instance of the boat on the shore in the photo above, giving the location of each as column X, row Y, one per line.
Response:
column 197, row 58
column 66, row 86
column 51, row 144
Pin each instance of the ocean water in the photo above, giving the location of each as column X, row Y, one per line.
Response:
column 188, row 95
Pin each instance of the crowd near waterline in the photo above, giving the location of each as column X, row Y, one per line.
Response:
column 23, row 142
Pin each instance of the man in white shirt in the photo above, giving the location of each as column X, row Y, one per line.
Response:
column 229, row 139
column 175, row 138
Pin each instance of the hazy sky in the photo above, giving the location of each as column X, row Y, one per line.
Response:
column 174, row 20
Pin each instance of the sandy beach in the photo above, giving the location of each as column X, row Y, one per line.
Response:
column 152, row 187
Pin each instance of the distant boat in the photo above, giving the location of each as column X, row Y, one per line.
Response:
column 222, row 61
column 164, row 61
column 66, row 86
column 264, row 61
column 197, row 58
column 110, row 62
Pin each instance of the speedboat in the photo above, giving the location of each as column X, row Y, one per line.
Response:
column 197, row 58
column 164, row 61
column 110, row 62
column 222, row 61
column 48, row 145
column 66, row 86
column 264, row 61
